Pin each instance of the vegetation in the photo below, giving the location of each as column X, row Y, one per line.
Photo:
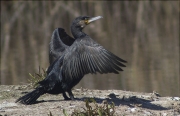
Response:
column 104, row 109
column 37, row 77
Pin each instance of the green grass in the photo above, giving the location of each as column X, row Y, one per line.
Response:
column 104, row 109
column 37, row 77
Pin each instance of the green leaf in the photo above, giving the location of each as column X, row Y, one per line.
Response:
column 64, row 112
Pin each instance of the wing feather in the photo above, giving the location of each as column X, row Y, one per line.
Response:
column 105, row 64
column 84, row 58
column 112, row 63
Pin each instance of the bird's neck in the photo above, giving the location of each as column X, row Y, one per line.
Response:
column 77, row 33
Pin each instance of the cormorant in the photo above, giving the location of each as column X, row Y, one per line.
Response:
column 72, row 58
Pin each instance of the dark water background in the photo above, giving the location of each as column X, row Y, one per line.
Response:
column 144, row 33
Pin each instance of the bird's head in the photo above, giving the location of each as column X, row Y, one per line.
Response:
column 81, row 21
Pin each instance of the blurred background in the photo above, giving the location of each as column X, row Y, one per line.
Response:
column 144, row 33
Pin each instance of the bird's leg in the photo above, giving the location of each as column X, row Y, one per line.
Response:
column 65, row 96
column 70, row 94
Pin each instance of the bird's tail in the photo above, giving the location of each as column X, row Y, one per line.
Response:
column 31, row 97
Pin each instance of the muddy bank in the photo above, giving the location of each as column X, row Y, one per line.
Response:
column 125, row 102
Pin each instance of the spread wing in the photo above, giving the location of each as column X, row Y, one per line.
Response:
column 60, row 40
column 86, row 56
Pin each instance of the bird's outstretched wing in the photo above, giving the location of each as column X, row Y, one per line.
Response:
column 86, row 56
column 60, row 40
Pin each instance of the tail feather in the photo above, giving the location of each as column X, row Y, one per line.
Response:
column 31, row 97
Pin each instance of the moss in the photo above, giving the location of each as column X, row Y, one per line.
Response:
column 7, row 94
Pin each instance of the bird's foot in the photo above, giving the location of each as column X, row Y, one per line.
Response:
column 67, row 98
column 71, row 95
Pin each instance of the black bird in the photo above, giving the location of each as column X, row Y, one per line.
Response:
column 72, row 58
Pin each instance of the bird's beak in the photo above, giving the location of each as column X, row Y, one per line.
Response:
column 93, row 19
